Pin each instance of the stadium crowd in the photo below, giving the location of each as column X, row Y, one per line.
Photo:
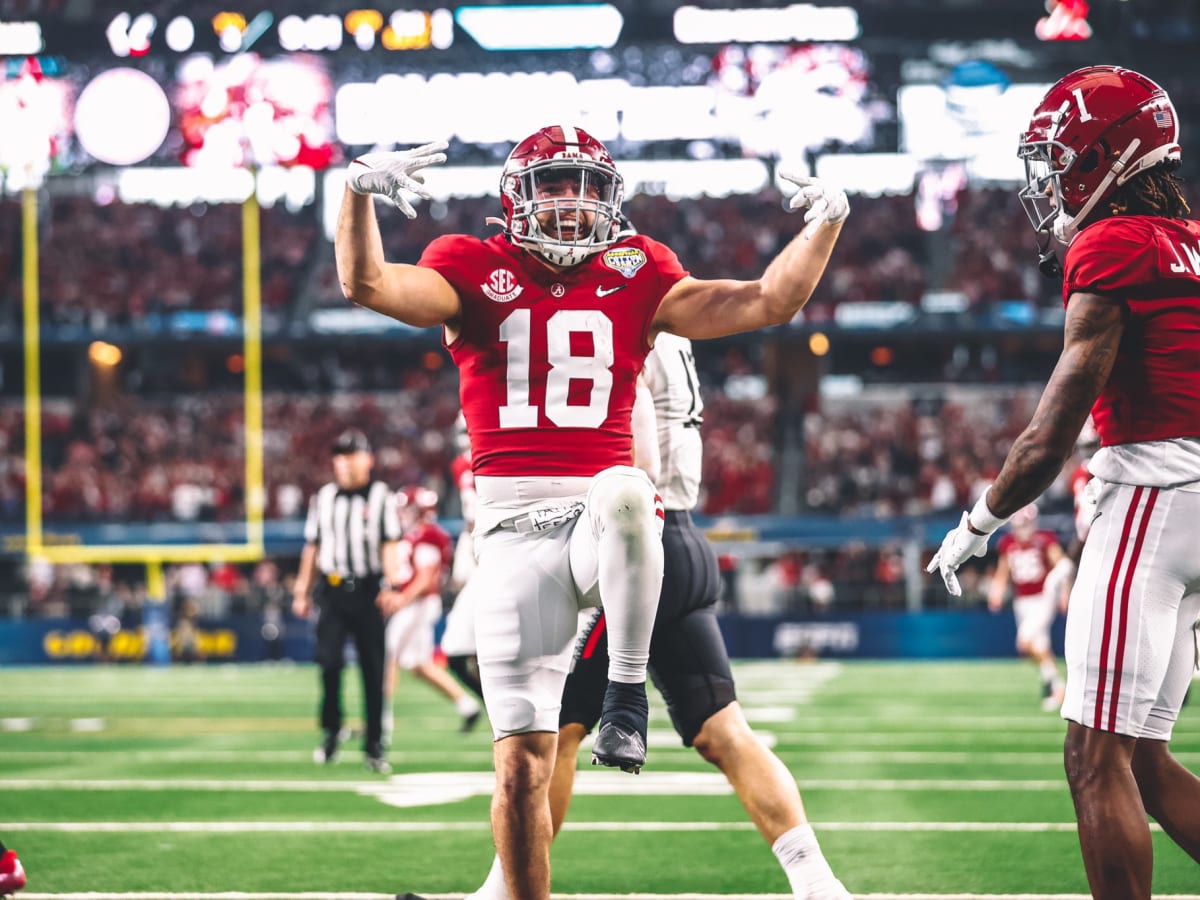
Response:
column 118, row 265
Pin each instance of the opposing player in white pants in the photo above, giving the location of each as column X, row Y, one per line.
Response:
column 549, row 322
column 1100, row 151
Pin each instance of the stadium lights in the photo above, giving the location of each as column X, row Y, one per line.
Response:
column 128, row 36
column 129, row 96
column 549, row 27
column 104, row 354
column 798, row 22
column 180, row 34
column 362, row 25
column 21, row 39
column 319, row 32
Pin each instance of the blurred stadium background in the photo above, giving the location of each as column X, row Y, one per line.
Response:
column 175, row 357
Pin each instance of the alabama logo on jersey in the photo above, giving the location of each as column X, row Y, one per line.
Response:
column 626, row 260
column 501, row 286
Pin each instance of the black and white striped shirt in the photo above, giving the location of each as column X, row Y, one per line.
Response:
column 350, row 528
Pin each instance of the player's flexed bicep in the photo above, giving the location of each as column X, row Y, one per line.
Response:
column 418, row 297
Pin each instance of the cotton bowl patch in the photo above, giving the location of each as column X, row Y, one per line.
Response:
column 625, row 260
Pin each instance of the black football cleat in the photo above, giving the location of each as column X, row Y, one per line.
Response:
column 410, row 896
column 619, row 747
column 621, row 740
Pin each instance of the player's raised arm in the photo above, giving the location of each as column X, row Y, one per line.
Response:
column 699, row 308
column 414, row 295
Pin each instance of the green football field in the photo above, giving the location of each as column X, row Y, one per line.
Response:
column 937, row 780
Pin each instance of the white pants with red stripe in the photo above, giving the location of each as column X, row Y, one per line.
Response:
column 1131, row 644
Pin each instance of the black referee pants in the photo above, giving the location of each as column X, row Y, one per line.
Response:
column 350, row 612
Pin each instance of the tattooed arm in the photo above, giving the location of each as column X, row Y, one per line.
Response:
column 1093, row 332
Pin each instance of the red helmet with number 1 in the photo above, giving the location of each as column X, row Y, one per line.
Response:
column 1093, row 131
column 561, row 195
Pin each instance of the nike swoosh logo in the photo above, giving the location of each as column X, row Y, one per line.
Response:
column 604, row 292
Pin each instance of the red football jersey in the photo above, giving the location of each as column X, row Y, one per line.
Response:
column 548, row 361
column 425, row 544
column 1028, row 560
column 1152, row 265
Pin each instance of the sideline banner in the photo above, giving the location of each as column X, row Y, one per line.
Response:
column 967, row 634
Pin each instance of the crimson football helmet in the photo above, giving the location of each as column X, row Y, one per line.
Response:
column 561, row 195
column 417, row 500
column 1093, row 131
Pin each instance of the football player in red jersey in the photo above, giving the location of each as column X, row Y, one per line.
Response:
column 549, row 323
column 1100, row 152
column 414, row 605
column 12, row 873
column 1035, row 563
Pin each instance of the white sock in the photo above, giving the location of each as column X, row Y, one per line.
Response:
column 466, row 705
column 800, row 856
column 631, row 571
column 1049, row 671
column 493, row 887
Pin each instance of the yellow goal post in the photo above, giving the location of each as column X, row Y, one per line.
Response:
column 40, row 545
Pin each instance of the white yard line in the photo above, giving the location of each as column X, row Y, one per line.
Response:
column 224, row 827
column 621, row 786
column 327, row 895
column 1029, row 757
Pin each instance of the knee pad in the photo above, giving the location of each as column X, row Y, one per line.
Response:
column 623, row 497
column 521, row 702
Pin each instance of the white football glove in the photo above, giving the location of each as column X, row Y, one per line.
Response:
column 824, row 202
column 961, row 543
column 390, row 173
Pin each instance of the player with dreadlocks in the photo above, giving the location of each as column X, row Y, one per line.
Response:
column 1100, row 154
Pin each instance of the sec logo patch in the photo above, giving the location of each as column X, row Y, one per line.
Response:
column 626, row 260
column 502, row 286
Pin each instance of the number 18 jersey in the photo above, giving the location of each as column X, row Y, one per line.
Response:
column 548, row 361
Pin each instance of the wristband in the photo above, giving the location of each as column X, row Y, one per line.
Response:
column 982, row 519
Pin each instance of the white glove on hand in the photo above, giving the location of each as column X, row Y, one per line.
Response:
column 957, row 547
column 824, row 202
column 392, row 172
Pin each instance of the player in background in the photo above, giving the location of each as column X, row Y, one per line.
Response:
column 1033, row 561
column 1100, row 152
column 414, row 604
column 458, row 637
column 688, row 660
column 549, row 322
column 1084, row 497
column 12, row 873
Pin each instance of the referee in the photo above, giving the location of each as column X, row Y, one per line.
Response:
column 351, row 538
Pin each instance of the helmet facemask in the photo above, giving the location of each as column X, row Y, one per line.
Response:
column 564, row 209
column 1040, row 199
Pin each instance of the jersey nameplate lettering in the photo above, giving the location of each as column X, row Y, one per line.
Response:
column 626, row 260
column 1193, row 258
